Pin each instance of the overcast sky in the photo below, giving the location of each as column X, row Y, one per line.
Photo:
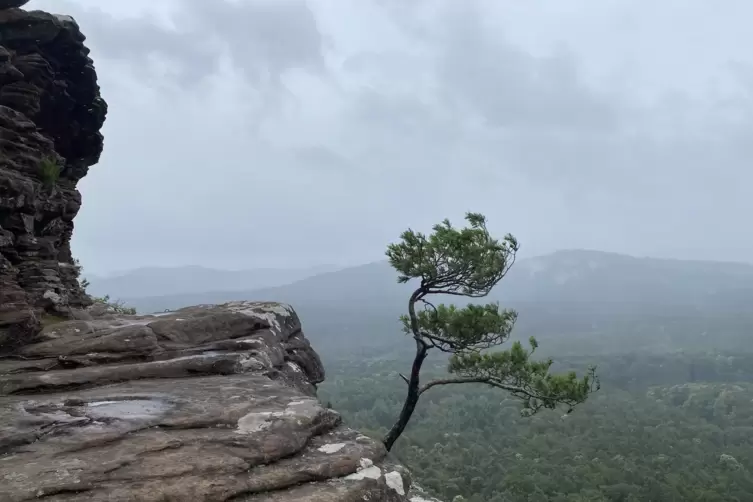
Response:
column 255, row 133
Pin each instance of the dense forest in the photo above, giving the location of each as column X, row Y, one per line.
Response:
column 673, row 420
column 650, row 434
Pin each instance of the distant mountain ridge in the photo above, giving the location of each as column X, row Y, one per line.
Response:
column 564, row 278
column 158, row 281
column 595, row 276
column 605, row 302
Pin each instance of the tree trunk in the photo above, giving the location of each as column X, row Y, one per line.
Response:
column 411, row 399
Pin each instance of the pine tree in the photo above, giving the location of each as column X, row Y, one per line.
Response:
column 469, row 262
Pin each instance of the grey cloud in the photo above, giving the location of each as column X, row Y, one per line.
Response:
column 271, row 35
column 262, row 38
column 633, row 173
column 511, row 88
column 320, row 158
column 543, row 118
column 404, row 119
column 482, row 90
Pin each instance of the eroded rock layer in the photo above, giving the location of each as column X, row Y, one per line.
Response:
column 208, row 403
column 51, row 114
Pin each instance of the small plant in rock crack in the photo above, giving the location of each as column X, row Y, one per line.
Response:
column 78, row 268
column 113, row 306
column 49, row 171
column 103, row 302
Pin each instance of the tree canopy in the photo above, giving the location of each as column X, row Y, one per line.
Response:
column 649, row 437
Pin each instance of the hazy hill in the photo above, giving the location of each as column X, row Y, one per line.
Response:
column 599, row 277
column 193, row 279
column 365, row 284
column 610, row 301
column 566, row 278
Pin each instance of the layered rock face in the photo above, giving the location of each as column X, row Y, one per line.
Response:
column 51, row 113
column 208, row 403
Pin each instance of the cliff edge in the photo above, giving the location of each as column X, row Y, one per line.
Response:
column 208, row 403
column 51, row 114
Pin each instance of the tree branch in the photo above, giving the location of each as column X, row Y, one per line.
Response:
column 417, row 295
column 428, row 304
column 434, row 339
column 456, row 293
column 515, row 390
column 447, row 381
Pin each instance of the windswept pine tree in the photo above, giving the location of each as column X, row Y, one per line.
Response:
column 469, row 262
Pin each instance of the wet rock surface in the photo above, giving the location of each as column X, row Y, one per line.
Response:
column 208, row 403
column 51, row 113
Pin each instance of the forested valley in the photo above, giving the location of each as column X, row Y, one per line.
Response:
column 650, row 433
column 673, row 420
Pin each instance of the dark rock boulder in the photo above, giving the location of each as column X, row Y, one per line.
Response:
column 51, row 113
column 208, row 403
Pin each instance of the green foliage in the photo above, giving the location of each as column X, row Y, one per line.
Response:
column 453, row 329
column 113, row 306
column 83, row 282
column 104, row 302
column 50, row 319
column 469, row 262
column 49, row 171
column 530, row 380
column 657, row 441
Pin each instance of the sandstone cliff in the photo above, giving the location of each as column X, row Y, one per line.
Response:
column 209, row 403
column 50, row 117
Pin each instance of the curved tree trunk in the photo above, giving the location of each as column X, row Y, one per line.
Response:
column 411, row 399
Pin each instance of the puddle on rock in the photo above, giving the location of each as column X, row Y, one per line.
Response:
column 127, row 409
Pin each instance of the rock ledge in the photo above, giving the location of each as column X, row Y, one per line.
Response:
column 208, row 403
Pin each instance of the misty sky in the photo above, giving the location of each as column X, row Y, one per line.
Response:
column 257, row 133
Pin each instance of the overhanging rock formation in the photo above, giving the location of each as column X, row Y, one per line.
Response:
column 51, row 113
column 208, row 403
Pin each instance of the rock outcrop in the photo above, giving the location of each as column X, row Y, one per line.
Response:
column 208, row 403
column 51, row 113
